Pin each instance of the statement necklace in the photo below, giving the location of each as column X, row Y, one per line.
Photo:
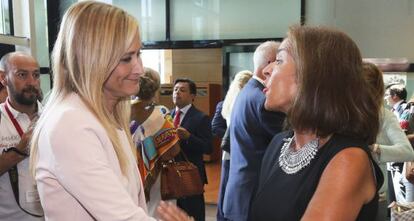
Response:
column 292, row 161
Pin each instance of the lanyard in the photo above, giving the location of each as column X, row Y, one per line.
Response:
column 13, row 172
column 13, row 120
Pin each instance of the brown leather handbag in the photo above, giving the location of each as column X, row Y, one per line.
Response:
column 180, row 179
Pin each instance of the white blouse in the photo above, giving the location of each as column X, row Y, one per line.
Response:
column 393, row 142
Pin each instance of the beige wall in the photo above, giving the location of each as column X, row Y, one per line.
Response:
column 200, row 65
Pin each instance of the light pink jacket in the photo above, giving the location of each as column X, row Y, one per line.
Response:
column 78, row 175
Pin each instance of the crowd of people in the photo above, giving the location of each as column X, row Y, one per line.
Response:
column 305, row 135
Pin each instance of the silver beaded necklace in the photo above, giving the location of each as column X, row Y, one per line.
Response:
column 292, row 161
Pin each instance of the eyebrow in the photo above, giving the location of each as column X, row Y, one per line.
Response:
column 130, row 53
column 24, row 70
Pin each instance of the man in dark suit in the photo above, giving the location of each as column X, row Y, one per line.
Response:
column 251, row 130
column 194, row 131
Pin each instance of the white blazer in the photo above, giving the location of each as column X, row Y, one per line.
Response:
column 78, row 174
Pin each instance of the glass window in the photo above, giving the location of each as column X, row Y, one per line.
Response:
column 150, row 14
column 232, row 19
column 240, row 61
column 5, row 23
column 154, row 59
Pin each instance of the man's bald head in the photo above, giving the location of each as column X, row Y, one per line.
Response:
column 12, row 57
column 21, row 77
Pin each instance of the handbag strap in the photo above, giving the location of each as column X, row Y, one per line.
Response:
column 184, row 155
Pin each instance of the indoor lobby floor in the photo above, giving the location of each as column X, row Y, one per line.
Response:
column 211, row 189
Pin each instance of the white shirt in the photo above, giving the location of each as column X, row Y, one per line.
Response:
column 28, row 197
column 183, row 110
column 78, row 173
column 397, row 110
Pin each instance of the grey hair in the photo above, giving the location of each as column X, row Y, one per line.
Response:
column 4, row 62
column 259, row 56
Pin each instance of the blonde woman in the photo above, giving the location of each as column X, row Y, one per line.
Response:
column 82, row 152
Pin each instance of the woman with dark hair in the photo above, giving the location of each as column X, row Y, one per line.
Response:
column 322, row 168
column 391, row 144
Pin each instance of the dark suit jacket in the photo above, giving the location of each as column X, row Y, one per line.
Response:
column 200, row 140
column 218, row 124
column 251, row 130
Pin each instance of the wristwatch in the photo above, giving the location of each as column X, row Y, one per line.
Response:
column 14, row 149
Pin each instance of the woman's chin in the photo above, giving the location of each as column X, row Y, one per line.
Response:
column 269, row 107
column 273, row 107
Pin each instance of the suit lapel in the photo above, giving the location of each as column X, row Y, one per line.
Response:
column 173, row 113
column 188, row 115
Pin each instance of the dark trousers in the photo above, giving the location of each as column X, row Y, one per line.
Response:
column 391, row 192
column 225, row 167
column 194, row 206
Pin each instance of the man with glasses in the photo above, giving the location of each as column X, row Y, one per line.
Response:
column 19, row 198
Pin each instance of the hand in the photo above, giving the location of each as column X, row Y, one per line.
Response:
column 170, row 212
column 24, row 142
column 183, row 133
column 375, row 150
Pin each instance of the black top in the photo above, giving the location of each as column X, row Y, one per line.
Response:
column 281, row 196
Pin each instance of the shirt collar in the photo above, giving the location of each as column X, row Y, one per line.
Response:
column 259, row 80
column 184, row 109
column 397, row 104
column 16, row 113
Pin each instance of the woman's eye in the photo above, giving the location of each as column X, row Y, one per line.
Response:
column 278, row 61
column 126, row 60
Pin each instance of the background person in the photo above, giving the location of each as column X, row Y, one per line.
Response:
column 321, row 169
column 240, row 79
column 194, row 131
column 3, row 93
column 82, row 153
column 391, row 144
column 251, row 130
column 396, row 99
column 218, row 123
column 20, row 76
column 150, row 122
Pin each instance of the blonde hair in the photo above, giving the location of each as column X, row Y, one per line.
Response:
column 92, row 39
column 236, row 85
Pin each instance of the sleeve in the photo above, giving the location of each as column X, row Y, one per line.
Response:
column 84, row 169
column 218, row 124
column 202, row 137
column 399, row 149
